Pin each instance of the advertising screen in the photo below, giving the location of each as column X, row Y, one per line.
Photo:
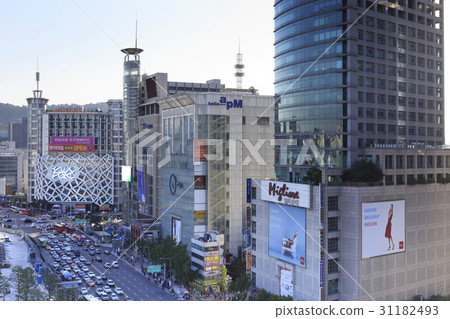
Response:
column 141, row 183
column 72, row 140
column 126, row 173
column 287, row 233
column 176, row 229
column 383, row 228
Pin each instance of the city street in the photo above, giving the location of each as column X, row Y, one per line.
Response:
column 133, row 283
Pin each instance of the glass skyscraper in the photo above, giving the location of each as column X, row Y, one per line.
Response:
column 338, row 92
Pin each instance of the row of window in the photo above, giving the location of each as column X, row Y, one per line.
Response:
column 392, row 70
column 371, row 52
column 416, row 161
column 380, row 114
column 392, row 43
column 370, row 97
column 412, row 179
column 392, row 129
column 369, row 142
column 394, row 86
column 392, row 11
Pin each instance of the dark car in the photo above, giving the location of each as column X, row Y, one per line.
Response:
column 99, row 259
column 27, row 220
column 8, row 220
column 104, row 278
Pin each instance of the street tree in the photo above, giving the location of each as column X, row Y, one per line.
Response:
column 25, row 284
column 4, row 287
column 51, row 281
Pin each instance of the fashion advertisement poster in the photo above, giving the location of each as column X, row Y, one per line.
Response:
column 287, row 233
column 383, row 228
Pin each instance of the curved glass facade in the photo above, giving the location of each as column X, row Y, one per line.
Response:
column 310, row 126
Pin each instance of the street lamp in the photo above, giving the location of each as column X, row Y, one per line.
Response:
column 170, row 269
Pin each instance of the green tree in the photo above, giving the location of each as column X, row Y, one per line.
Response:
column 264, row 295
column 236, row 268
column 223, row 281
column 51, row 281
column 241, row 285
column 363, row 171
column 24, row 281
column 313, row 176
column 4, row 287
column 181, row 261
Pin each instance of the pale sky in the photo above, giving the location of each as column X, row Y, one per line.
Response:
column 192, row 41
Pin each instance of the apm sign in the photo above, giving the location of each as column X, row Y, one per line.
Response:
column 237, row 104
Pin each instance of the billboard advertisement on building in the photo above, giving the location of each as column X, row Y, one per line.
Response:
column 71, row 148
column 176, row 229
column 286, row 193
column 286, row 287
column 72, row 140
column 200, row 150
column 383, row 228
column 126, row 173
column 287, row 233
column 141, row 183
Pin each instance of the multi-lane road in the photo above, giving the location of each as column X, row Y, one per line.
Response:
column 134, row 284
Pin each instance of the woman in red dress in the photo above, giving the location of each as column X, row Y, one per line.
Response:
column 387, row 233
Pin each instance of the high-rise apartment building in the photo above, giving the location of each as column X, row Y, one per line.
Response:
column 350, row 74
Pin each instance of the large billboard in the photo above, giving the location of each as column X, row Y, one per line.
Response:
column 287, row 233
column 383, row 228
column 72, row 140
column 141, row 183
column 286, row 193
column 176, row 229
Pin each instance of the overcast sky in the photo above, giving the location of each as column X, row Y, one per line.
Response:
column 192, row 41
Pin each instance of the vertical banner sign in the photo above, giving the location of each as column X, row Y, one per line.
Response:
column 249, row 187
column 248, row 261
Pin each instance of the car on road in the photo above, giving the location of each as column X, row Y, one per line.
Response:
column 114, row 297
column 99, row 259
column 96, row 244
column 107, row 252
column 107, row 290
column 83, row 236
column 98, row 251
column 91, row 253
column 85, row 248
column 55, row 265
column 85, row 269
column 92, row 248
column 118, row 291
column 90, row 283
column 115, row 264
column 88, row 262
column 104, row 296
column 27, row 220
column 86, row 278
column 79, row 281
column 84, row 291
column 82, row 259
column 110, row 283
column 91, row 274
column 81, row 273
column 99, row 291
column 9, row 220
column 107, row 265
column 99, row 281
column 104, row 278
column 79, row 243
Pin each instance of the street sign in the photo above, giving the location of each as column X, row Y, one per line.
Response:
column 153, row 268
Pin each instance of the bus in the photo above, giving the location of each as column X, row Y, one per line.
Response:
column 43, row 241
column 70, row 229
column 89, row 298
column 59, row 227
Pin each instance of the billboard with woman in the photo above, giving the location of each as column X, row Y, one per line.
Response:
column 383, row 228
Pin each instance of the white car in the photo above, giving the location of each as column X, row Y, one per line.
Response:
column 114, row 297
column 118, row 291
column 107, row 265
column 115, row 264
column 83, row 291
column 99, row 291
column 107, row 289
column 85, row 269
column 91, row 274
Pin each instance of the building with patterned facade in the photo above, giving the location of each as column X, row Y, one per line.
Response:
column 75, row 153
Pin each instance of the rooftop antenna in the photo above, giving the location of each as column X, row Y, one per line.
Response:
column 135, row 42
column 37, row 93
column 239, row 67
